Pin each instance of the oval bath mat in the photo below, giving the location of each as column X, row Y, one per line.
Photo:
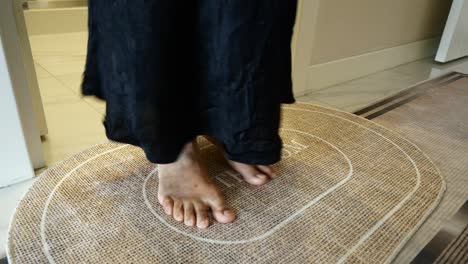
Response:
column 349, row 191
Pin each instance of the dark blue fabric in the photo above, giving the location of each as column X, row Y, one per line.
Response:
column 171, row 70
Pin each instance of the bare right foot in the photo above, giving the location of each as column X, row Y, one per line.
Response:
column 252, row 173
column 187, row 193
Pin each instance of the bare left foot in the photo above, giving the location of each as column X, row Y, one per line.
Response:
column 253, row 174
column 187, row 193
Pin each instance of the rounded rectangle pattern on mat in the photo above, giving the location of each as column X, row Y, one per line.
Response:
column 349, row 191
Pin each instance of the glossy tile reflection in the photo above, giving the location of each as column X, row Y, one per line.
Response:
column 356, row 94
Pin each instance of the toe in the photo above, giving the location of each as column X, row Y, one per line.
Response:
column 167, row 205
column 201, row 211
column 224, row 216
column 189, row 214
column 178, row 210
column 219, row 210
column 250, row 173
column 268, row 170
column 258, row 179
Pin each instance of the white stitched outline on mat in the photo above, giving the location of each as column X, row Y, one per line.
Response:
column 45, row 245
column 365, row 237
column 272, row 230
column 380, row 223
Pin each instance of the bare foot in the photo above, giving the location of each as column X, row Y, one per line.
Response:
column 253, row 174
column 187, row 192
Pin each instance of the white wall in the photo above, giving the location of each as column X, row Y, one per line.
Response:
column 351, row 28
column 336, row 40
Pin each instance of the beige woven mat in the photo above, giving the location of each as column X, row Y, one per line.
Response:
column 349, row 191
column 438, row 123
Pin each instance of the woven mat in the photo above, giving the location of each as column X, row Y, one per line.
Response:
column 349, row 191
column 438, row 123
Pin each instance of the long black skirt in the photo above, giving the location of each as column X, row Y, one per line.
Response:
column 170, row 70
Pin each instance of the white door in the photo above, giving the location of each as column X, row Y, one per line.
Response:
column 28, row 63
column 454, row 43
column 20, row 142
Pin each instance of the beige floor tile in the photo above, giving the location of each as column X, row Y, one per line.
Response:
column 353, row 95
column 41, row 72
column 72, row 127
column 428, row 68
column 72, row 81
column 44, row 59
column 74, row 122
column 460, row 65
column 54, row 92
column 311, row 100
column 64, row 67
column 343, row 97
column 388, row 81
column 68, row 44
column 421, row 69
column 60, row 54
column 97, row 104
column 462, row 68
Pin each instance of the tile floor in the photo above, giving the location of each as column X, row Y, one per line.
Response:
column 356, row 94
column 75, row 122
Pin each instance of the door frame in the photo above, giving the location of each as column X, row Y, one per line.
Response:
column 20, row 134
column 303, row 39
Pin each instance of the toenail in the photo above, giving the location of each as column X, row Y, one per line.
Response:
column 263, row 176
column 227, row 212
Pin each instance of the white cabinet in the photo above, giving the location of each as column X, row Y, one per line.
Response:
column 454, row 43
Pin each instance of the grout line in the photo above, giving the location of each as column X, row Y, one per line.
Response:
column 69, row 88
column 44, row 68
column 327, row 104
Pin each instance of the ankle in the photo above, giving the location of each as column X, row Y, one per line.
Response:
column 189, row 151
column 187, row 155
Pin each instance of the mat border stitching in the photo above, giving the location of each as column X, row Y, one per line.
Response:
column 46, row 247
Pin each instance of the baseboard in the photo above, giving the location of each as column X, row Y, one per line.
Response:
column 331, row 73
column 56, row 20
column 34, row 4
